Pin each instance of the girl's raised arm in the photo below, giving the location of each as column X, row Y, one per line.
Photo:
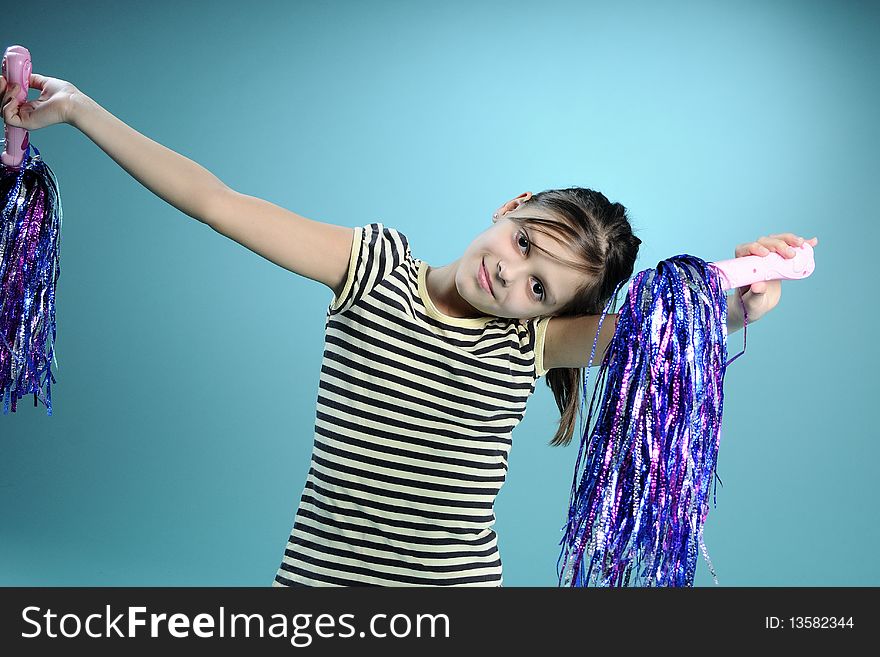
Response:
column 172, row 177
column 316, row 250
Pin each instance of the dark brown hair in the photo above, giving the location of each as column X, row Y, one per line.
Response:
column 600, row 232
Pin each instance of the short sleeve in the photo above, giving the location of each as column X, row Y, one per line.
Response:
column 538, row 327
column 376, row 251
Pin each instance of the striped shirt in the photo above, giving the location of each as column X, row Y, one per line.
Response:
column 412, row 434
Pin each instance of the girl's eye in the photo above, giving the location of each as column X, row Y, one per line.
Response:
column 521, row 235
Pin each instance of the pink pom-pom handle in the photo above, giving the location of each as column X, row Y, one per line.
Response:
column 16, row 70
column 746, row 270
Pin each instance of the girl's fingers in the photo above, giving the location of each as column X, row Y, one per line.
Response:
column 750, row 248
column 781, row 244
column 782, row 240
column 759, row 247
column 36, row 81
column 9, row 92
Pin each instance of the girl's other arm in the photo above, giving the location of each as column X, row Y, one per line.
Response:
column 569, row 340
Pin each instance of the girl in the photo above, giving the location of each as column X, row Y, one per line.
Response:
column 426, row 371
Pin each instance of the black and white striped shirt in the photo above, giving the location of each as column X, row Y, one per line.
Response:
column 413, row 429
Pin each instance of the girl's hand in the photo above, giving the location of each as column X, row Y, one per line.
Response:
column 761, row 297
column 53, row 105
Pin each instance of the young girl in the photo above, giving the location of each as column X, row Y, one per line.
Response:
column 426, row 371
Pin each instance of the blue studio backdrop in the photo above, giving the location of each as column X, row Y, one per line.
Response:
column 188, row 366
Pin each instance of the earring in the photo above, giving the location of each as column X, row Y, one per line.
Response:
column 495, row 215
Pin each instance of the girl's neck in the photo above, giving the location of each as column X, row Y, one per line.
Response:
column 440, row 284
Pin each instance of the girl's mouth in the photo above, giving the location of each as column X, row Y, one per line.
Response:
column 483, row 278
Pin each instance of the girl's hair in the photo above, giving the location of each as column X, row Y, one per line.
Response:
column 600, row 232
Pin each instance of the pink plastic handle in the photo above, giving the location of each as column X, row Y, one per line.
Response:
column 16, row 70
column 739, row 272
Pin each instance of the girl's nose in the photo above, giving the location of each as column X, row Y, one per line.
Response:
column 512, row 272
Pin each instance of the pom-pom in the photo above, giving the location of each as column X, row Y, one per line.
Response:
column 640, row 490
column 30, row 233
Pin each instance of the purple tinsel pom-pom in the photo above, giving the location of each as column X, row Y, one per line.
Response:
column 30, row 233
column 640, row 491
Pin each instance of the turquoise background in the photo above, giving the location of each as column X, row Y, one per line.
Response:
column 188, row 367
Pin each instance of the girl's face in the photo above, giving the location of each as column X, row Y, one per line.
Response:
column 525, row 283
